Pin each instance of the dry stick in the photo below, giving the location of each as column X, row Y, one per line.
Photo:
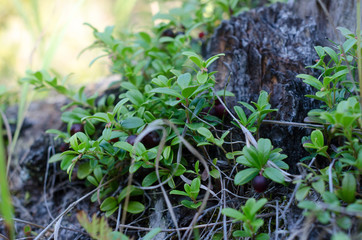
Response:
column 71, row 206
column 224, row 202
column 45, row 183
column 293, row 124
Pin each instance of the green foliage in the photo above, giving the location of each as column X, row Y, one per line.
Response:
column 339, row 141
column 251, row 223
column 192, row 191
column 256, row 160
column 258, row 113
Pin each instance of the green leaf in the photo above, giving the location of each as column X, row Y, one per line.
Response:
column 152, row 234
column 348, row 190
column 307, row 205
column 274, row 174
column 84, row 170
column 319, row 186
column 240, row 233
column 184, row 80
column 344, row 222
column 135, row 97
column 232, row 213
column 202, row 77
column 340, row 236
column 245, row 176
column 55, row 158
column 317, row 138
column 264, row 148
column 150, row 179
column 135, row 207
column 167, row 91
column 178, row 192
column 189, row 91
column 206, row 133
column 302, row 193
column 124, row 145
column 132, row 122
column 195, row 188
column 311, row 81
column 347, row 45
column 262, row 236
column 109, row 204
column 331, row 53
column 215, row 173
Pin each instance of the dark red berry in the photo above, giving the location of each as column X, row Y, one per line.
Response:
column 201, row 34
column 131, row 139
column 151, row 140
column 64, row 147
column 114, row 140
column 77, row 127
column 260, row 183
column 219, row 111
column 168, row 33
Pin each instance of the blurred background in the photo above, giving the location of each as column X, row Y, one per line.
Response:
column 50, row 35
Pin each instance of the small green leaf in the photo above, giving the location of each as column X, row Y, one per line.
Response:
column 240, row 233
column 215, row 173
column 206, row 133
column 274, row 174
column 348, row 190
column 84, row 170
column 262, row 236
column 150, row 179
column 302, row 193
column 245, row 176
column 184, row 80
column 178, row 192
column 311, row 81
column 167, row 91
column 317, row 138
column 124, row 145
column 340, row 236
column 232, row 213
column 132, row 122
column 202, row 77
column 319, row 185
column 331, row 53
column 55, row 158
column 135, row 207
column 109, row 204
column 152, row 234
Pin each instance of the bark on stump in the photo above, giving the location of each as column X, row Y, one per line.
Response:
column 265, row 49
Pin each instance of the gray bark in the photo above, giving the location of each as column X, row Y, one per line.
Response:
column 265, row 49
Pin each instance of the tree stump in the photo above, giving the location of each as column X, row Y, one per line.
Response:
column 265, row 49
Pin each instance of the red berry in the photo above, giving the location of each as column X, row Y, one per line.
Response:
column 114, row 140
column 219, row 111
column 77, row 127
column 131, row 139
column 260, row 183
column 201, row 34
column 64, row 147
column 151, row 140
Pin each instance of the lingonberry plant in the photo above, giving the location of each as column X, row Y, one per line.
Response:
column 337, row 181
column 122, row 138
